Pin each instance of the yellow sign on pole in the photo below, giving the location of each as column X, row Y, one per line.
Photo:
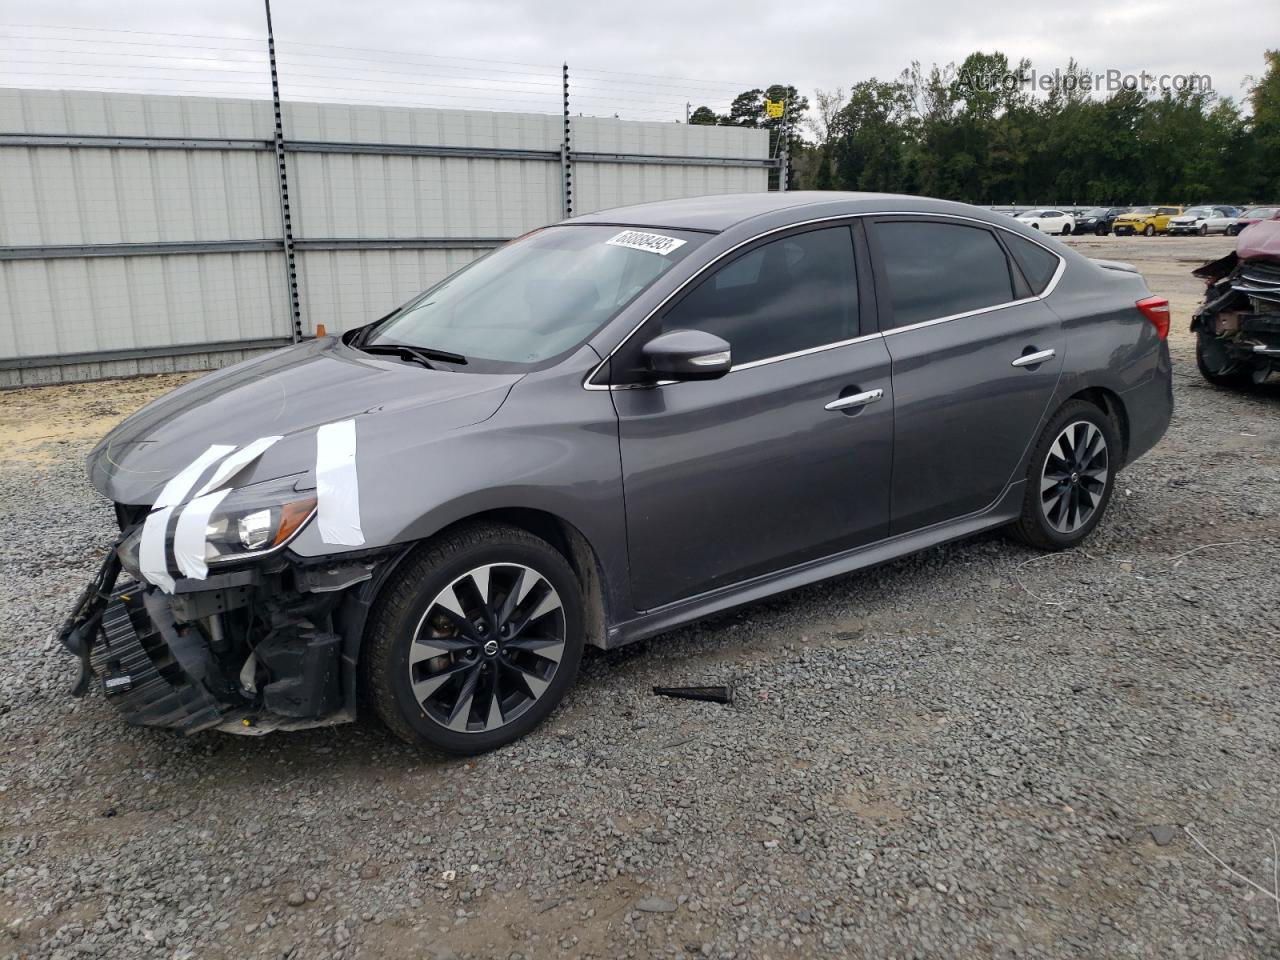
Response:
column 774, row 108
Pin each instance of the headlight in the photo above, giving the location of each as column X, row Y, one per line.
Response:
column 257, row 519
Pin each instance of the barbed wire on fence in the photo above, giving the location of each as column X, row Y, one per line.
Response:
column 132, row 61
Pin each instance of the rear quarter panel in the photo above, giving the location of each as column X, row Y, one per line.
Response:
column 1112, row 346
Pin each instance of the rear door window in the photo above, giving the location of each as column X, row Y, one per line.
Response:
column 939, row 269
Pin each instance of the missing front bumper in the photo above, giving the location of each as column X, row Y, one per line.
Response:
column 141, row 676
column 248, row 653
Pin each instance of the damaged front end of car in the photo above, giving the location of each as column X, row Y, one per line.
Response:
column 266, row 646
column 201, row 617
column 1238, row 326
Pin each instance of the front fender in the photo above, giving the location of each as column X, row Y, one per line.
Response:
column 552, row 448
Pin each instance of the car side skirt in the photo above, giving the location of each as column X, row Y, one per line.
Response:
column 661, row 619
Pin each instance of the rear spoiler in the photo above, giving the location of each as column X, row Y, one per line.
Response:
column 1114, row 265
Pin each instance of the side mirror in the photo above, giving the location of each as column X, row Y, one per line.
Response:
column 687, row 355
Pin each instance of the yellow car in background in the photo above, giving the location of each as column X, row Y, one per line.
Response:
column 1147, row 221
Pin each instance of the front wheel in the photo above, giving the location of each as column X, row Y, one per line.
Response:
column 1149, row 230
column 474, row 641
column 1204, row 230
column 1216, row 366
column 1070, row 478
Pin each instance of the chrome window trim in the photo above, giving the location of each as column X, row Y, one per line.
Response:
column 587, row 383
column 957, row 316
column 804, row 353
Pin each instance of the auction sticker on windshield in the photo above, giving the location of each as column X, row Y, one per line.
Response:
column 652, row 242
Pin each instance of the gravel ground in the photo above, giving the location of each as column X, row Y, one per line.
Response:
column 977, row 751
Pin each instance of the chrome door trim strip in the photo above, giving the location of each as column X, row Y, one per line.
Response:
column 958, row 316
column 803, row 353
column 587, row 383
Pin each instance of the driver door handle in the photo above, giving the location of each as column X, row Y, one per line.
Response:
column 1031, row 359
column 856, row 400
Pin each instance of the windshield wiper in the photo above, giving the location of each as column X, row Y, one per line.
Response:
column 413, row 354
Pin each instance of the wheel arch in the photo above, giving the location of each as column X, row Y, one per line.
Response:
column 1110, row 403
column 562, row 535
column 573, row 545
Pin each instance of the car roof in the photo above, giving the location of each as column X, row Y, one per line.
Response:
column 720, row 212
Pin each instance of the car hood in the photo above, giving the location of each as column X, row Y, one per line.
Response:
column 286, row 393
column 1184, row 218
column 1260, row 242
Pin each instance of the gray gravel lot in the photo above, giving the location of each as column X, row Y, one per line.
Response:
column 978, row 751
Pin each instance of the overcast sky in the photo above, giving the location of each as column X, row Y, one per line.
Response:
column 624, row 57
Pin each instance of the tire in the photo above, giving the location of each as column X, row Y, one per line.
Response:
column 1204, row 230
column 1086, row 480
column 1066, row 231
column 1210, row 360
column 413, row 690
column 1149, row 230
column 1232, row 230
column 1100, row 231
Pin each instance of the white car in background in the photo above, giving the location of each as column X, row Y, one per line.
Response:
column 1048, row 221
column 1204, row 220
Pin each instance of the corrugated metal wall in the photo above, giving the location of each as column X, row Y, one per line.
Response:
column 377, row 215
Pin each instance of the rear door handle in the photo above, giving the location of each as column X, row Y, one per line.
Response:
column 856, row 400
column 1031, row 359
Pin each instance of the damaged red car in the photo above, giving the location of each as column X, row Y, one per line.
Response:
column 1237, row 327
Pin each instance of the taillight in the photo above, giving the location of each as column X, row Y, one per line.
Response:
column 1156, row 309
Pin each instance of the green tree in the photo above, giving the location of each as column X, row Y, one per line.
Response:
column 870, row 138
column 1264, row 98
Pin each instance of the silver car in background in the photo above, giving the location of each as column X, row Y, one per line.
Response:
column 1203, row 221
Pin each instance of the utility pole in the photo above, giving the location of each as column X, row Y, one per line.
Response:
column 784, row 148
column 687, row 105
column 282, row 182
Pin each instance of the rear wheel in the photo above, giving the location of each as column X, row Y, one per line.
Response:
column 1066, row 230
column 1070, row 478
column 475, row 640
column 1149, row 230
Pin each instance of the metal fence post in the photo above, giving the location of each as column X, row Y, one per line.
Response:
column 282, row 182
column 566, row 168
column 784, row 148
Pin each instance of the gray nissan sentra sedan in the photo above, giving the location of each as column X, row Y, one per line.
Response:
column 600, row 431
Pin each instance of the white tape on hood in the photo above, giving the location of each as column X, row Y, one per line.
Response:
column 337, row 488
column 153, row 561
column 176, row 490
column 189, row 535
column 229, row 467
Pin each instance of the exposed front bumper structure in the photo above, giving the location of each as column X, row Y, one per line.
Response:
column 1239, row 321
column 246, row 651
